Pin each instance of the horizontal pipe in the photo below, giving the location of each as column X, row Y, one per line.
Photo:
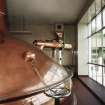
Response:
column 21, row 32
column 52, row 44
column 49, row 44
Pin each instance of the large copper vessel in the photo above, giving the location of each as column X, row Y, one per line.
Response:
column 27, row 74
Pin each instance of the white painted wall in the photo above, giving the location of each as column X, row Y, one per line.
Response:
column 82, row 49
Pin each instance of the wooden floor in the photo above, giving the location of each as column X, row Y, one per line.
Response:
column 84, row 96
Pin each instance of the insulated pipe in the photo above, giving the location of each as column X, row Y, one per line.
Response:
column 52, row 44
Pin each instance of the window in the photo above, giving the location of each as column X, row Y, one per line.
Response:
column 89, row 15
column 98, row 22
column 99, row 39
column 92, row 10
column 98, row 5
column 94, row 49
column 96, row 31
column 94, row 69
column 104, row 76
column 103, row 39
column 93, row 25
column 103, row 55
column 103, row 3
column 90, row 50
column 89, row 29
column 90, row 71
column 99, row 74
column 104, row 17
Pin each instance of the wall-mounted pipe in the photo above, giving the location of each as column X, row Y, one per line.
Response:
column 52, row 44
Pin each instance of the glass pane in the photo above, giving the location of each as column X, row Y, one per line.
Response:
column 99, row 56
column 104, row 76
column 90, row 49
column 99, row 48
column 103, row 37
column 89, row 29
column 94, row 69
column 90, row 71
column 99, row 39
column 98, row 6
column 98, row 22
column 104, row 17
column 94, row 49
column 103, row 48
column 103, row 3
column 103, row 54
column 100, row 59
column 94, row 55
column 89, row 15
column 99, row 74
column 94, row 40
column 93, row 26
column 92, row 9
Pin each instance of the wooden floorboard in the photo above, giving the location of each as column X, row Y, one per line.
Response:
column 84, row 96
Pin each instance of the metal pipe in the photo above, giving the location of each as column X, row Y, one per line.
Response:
column 52, row 44
column 49, row 44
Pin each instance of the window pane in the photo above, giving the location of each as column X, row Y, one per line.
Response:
column 94, row 70
column 98, row 6
column 90, row 49
column 90, row 71
column 103, row 55
column 94, row 41
column 103, row 48
column 93, row 26
column 93, row 49
column 103, row 38
column 94, row 55
column 99, row 74
column 104, row 76
column 92, row 9
column 99, row 39
column 89, row 15
column 98, row 22
column 89, row 29
column 99, row 48
column 104, row 17
column 99, row 56
column 103, row 3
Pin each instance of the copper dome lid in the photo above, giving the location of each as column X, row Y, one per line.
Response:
column 26, row 71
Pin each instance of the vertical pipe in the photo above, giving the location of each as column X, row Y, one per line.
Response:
column 55, row 55
column 60, row 56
